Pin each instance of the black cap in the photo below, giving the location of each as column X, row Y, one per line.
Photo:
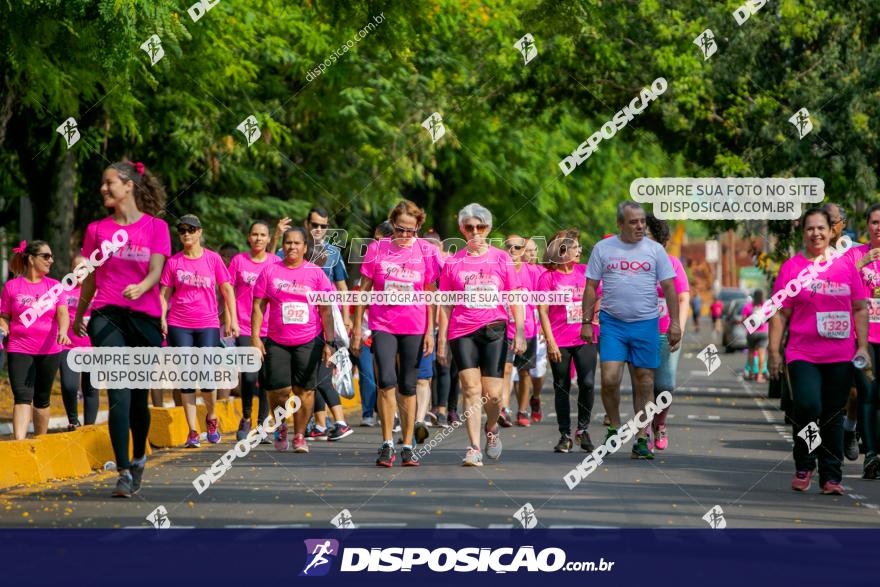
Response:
column 190, row 220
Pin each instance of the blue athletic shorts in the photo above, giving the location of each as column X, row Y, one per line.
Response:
column 426, row 367
column 633, row 342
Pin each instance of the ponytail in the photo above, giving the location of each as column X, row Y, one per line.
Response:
column 149, row 195
column 19, row 262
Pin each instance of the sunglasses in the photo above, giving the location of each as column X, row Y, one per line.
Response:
column 46, row 256
column 316, row 226
column 517, row 247
column 475, row 227
column 405, row 230
column 187, row 230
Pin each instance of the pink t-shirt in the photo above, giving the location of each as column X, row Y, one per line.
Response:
column 148, row 236
column 243, row 273
column 292, row 320
column 821, row 328
column 490, row 272
column 716, row 308
column 681, row 286
column 195, row 283
column 41, row 337
column 72, row 300
column 565, row 320
column 394, row 268
column 748, row 310
column 528, row 276
column 871, row 279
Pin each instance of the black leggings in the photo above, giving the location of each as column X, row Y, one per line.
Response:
column 402, row 374
column 327, row 395
column 585, row 365
column 869, row 402
column 116, row 326
column 249, row 387
column 445, row 385
column 31, row 377
column 820, row 394
column 70, row 385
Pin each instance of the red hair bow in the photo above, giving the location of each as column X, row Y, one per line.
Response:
column 139, row 167
column 20, row 248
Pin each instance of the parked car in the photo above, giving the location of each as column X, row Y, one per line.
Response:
column 730, row 294
column 733, row 334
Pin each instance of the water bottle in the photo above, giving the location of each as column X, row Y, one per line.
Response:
column 109, row 466
column 861, row 363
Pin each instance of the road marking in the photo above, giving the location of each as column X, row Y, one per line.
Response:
column 708, row 417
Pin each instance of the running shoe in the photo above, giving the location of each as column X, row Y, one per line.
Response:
column 213, row 430
column 522, row 419
column 396, row 427
column 137, row 474
column 432, row 418
column 386, row 456
column 368, row 421
column 123, row 485
column 661, row 441
column 453, row 418
column 504, row 418
column 408, row 457
column 609, row 433
column 582, row 437
column 493, row 443
column 801, row 480
column 192, row 441
column 244, row 426
column 850, row 445
column 281, row 441
column 421, row 432
column 339, row 432
column 73, row 426
column 472, row 458
column 535, row 406
column 315, row 434
column 299, row 443
column 564, row 444
column 872, row 467
column 832, row 488
column 641, row 450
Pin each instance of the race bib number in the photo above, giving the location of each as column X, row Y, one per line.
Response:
column 873, row 310
column 833, row 324
column 294, row 313
column 485, row 296
column 574, row 313
column 398, row 286
column 664, row 309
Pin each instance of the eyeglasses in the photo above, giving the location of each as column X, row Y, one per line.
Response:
column 405, row 230
column 46, row 256
column 517, row 247
column 187, row 230
column 317, row 226
column 475, row 227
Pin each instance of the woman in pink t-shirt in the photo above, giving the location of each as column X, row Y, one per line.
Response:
column 476, row 331
column 402, row 334
column 37, row 326
column 244, row 268
column 72, row 381
column 300, row 333
column 561, row 324
column 125, row 310
column 823, row 306
column 190, row 282
column 528, row 275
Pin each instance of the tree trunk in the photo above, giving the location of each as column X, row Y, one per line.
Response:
column 60, row 214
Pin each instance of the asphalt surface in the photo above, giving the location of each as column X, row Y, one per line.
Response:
column 728, row 448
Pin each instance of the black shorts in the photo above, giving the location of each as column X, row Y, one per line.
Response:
column 31, row 377
column 295, row 365
column 485, row 349
column 526, row 361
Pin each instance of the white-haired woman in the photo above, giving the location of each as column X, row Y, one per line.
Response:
column 476, row 331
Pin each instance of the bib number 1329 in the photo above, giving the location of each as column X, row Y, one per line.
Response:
column 833, row 324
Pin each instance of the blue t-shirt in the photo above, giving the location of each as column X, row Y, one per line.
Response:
column 334, row 266
column 629, row 273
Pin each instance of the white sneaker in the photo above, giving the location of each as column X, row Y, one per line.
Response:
column 369, row 421
column 473, row 458
column 493, row 443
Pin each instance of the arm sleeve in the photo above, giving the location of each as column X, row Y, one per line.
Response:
column 221, row 275
column 664, row 265
column 167, row 278
column 594, row 265
column 262, row 284
column 339, row 272
column 368, row 268
column 90, row 240
column 161, row 238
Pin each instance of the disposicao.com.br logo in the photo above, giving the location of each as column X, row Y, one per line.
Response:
column 441, row 560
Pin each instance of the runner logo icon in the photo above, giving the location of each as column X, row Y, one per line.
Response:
column 319, row 555
column 810, row 434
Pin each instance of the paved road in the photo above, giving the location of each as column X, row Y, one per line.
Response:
column 727, row 447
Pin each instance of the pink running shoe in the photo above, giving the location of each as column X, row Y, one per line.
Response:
column 281, row 441
column 832, row 488
column 660, row 439
column 801, row 480
column 299, row 443
column 213, row 430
